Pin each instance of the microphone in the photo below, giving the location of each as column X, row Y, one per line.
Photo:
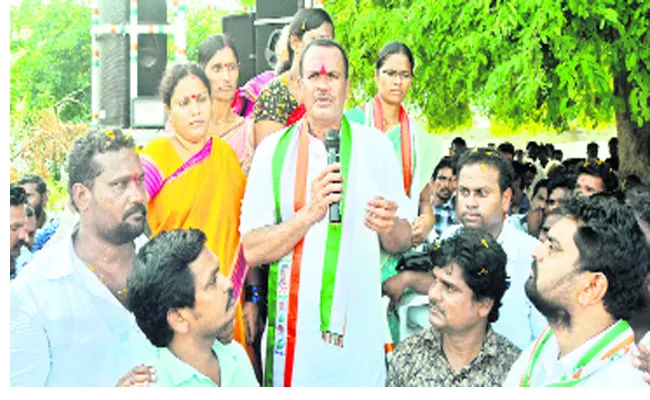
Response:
column 332, row 144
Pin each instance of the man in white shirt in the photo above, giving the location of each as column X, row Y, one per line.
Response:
column 68, row 323
column 586, row 280
column 485, row 180
column 326, row 322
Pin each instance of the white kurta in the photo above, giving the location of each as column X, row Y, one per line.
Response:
column 374, row 171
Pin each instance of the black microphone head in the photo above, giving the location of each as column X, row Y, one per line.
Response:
column 332, row 138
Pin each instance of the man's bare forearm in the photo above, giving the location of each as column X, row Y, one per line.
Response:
column 420, row 282
column 398, row 239
column 270, row 243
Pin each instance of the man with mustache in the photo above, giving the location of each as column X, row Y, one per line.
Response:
column 326, row 320
column 37, row 197
column 68, row 323
column 185, row 306
column 586, row 280
column 17, row 225
column 26, row 254
column 460, row 348
column 444, row 186
column 485, row 180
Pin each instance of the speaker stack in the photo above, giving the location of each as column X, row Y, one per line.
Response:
column 240, row 28
column 272, row 16
column 113, row 59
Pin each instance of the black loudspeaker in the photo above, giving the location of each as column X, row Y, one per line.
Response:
column 240, row 28
column 277, row 8
column 114, row 104
column 114, row 69
column 265, row 56
column 152, row 49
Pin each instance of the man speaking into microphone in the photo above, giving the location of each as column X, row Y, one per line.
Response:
column 321, row 224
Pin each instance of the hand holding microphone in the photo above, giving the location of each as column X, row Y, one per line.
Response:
column 332, row 145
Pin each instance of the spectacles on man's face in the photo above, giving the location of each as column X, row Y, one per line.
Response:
column 391, row 73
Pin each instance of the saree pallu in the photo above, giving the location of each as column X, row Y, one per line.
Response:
column 205, row 193
column 425, row 154
column 242, row 140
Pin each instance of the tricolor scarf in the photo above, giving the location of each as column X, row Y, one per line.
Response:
column 615, row 343
column 375, row 113
column 284, row 275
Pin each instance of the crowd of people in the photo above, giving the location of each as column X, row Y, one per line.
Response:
column 180, row 263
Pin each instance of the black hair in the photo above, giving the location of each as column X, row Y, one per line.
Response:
column 81, row 165
column 161, row 280
column 602, row 170
column 459, row 141
column 304, row 20
column 611, row 242
column 506, row 147
column 483, row 263
column 561, row 180
column 639, row 199
column 493, row 158
column 29, row 211
column 326, row 43
column 212, row 45
column 558, row 154
column 391, row 49
column 177, row 72
column 41, row 186
column 542, row 183
column 445, row 162
column 17, row 195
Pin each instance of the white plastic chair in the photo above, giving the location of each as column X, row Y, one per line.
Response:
column 413, row 313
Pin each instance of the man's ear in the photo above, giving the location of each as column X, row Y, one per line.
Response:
column 593, row 288
column 484, row 307
column 506, row 198
column 177, row 321
column 81, row 196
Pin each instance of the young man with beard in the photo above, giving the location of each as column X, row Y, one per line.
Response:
column 485, row 180
column 37, row 197
column 586, row 280
column 460, row 348
column 185, row 306
column 68, row 323
column 444, row 187
column 17, row 225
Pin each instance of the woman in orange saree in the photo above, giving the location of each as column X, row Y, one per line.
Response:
column 193, row 179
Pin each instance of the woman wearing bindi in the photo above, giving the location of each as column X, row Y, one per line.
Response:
column 279, row 103
column 192, row 178
column 416, row 150
column 219, row 60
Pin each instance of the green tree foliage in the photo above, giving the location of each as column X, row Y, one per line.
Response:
column 50, row 59
column 202, row 23
column 555, row 63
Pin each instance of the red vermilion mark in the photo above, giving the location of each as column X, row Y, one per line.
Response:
column 323, row 71
column 193, row 96
column 135, row 177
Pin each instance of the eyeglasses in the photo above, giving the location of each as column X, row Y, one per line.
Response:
column 391, row 73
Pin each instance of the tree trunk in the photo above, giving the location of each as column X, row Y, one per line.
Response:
column 633, row 140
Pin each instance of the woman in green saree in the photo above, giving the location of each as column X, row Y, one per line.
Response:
column 416, row 150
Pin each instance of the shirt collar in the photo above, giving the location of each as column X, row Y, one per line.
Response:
column 64, row 255
column 507, row 240
column 490, row 343
column 181, row 372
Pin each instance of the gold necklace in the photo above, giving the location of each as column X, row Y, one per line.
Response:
column 120, row 293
